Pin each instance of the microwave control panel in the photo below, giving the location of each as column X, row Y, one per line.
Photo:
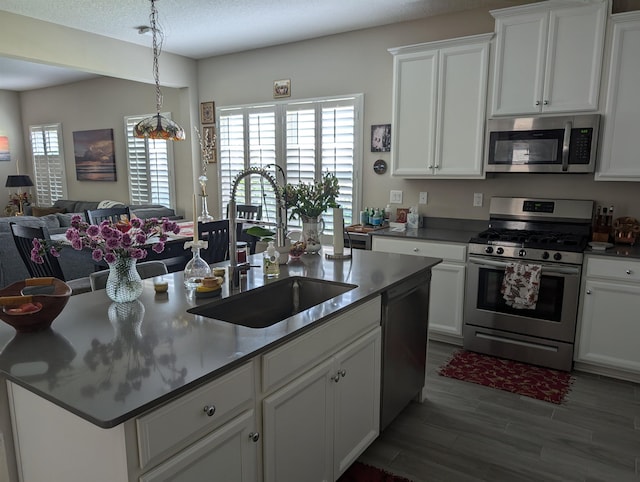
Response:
column 580, row 145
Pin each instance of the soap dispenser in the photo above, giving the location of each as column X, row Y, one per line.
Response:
column 270, row 262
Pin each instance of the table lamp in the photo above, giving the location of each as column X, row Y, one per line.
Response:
column 18, row 181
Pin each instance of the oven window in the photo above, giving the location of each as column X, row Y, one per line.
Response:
column 549, row 306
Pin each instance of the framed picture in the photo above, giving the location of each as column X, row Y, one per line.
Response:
column 209, row 143
column 282, row 88
column 95, row 155
column 5, row 154
column 381, row 138
column 401, row 215
column 207, row 112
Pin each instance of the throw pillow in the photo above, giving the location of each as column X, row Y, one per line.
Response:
column 38, row 211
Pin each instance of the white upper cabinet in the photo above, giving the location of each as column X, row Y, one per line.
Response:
column 439, row 107
column 619, row 158
column 548, row 58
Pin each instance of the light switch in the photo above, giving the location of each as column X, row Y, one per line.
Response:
column 477, row 199
column 395, row 197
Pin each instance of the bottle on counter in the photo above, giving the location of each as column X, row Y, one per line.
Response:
column 270, row 262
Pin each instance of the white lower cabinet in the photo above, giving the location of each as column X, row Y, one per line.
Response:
column 227, row 454
column 608, row 330
column 446, row 300
column 317, row 425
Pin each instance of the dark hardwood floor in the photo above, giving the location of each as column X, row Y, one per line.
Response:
column 467, row 432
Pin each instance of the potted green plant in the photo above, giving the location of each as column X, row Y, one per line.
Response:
column 308, row 201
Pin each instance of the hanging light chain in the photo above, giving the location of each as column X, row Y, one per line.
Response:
column 157, row 48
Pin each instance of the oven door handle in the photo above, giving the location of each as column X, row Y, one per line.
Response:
column 562, row 270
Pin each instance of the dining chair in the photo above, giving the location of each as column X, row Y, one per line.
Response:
column 23, row 237
column 96, row 216
column 247, row 211
column 146, row 269
column 216, row 233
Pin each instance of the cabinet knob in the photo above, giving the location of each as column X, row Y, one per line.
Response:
column 342, row 373
column 254, row 436
column 628, row 271
column 588, row 292
column 437, row 166
column 546, row 102
column 209, row 410
column 430, row 166
column 537, row 102
column 415, row 250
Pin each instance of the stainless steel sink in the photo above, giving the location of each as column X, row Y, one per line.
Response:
column 267, row 305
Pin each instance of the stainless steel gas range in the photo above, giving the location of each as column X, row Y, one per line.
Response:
column 547, row 236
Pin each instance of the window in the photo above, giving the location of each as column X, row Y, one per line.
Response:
column 48, row 163
column 150, row 164
column 303, row 138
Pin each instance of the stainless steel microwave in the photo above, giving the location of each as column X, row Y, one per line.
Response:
column 542, row 144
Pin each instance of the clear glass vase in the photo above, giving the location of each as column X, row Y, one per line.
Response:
column 312, row 228
column 196, row 269
column 124, row 282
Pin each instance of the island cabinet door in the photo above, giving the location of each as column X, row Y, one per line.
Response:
column 229, row 454
column 357, row 399
column 298, row 429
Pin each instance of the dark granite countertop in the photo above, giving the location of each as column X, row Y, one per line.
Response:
column 439, row 229
column 616, row 251
column 108, row 363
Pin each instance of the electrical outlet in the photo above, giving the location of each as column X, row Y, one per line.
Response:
column 395, row 197
column 423, row 198
column 477, row 199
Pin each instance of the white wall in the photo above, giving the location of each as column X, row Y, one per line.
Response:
column 359, row 62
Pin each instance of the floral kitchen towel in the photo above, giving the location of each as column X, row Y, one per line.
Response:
column 521, row 285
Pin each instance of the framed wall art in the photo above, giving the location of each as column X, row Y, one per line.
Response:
column 5, row 154
column 207, row 112
column 381, row 138
column 282, row 88
column 94, row 152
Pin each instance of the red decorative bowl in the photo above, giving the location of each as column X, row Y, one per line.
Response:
column 33, row 304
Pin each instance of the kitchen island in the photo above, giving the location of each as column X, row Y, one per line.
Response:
column 97, row 379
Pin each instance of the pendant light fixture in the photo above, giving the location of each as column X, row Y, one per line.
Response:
column 157, row 126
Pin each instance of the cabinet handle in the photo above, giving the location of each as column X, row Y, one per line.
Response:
column 537, row 102
column 254, row 436
column 588, row 292
column 546, row 102
column 209, row 410
column 628, row 271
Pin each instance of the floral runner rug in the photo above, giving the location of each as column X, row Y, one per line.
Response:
column 512, row 376
column 359, row 472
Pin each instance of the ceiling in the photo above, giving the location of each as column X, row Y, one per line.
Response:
column 204, row 28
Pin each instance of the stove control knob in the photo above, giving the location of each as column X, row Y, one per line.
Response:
column 499, row 251
column 522, row 253
column 545, row 255
column 488, row 249
column 557, row 256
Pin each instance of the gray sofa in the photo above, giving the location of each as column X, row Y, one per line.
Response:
column 75, row 264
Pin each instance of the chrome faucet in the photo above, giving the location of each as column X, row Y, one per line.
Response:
column 281, row 224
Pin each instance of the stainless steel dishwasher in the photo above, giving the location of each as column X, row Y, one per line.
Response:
column 405, row 319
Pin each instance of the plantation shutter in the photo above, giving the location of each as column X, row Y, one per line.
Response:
column 48, row 163
column 150, row 168
column 304, row 138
